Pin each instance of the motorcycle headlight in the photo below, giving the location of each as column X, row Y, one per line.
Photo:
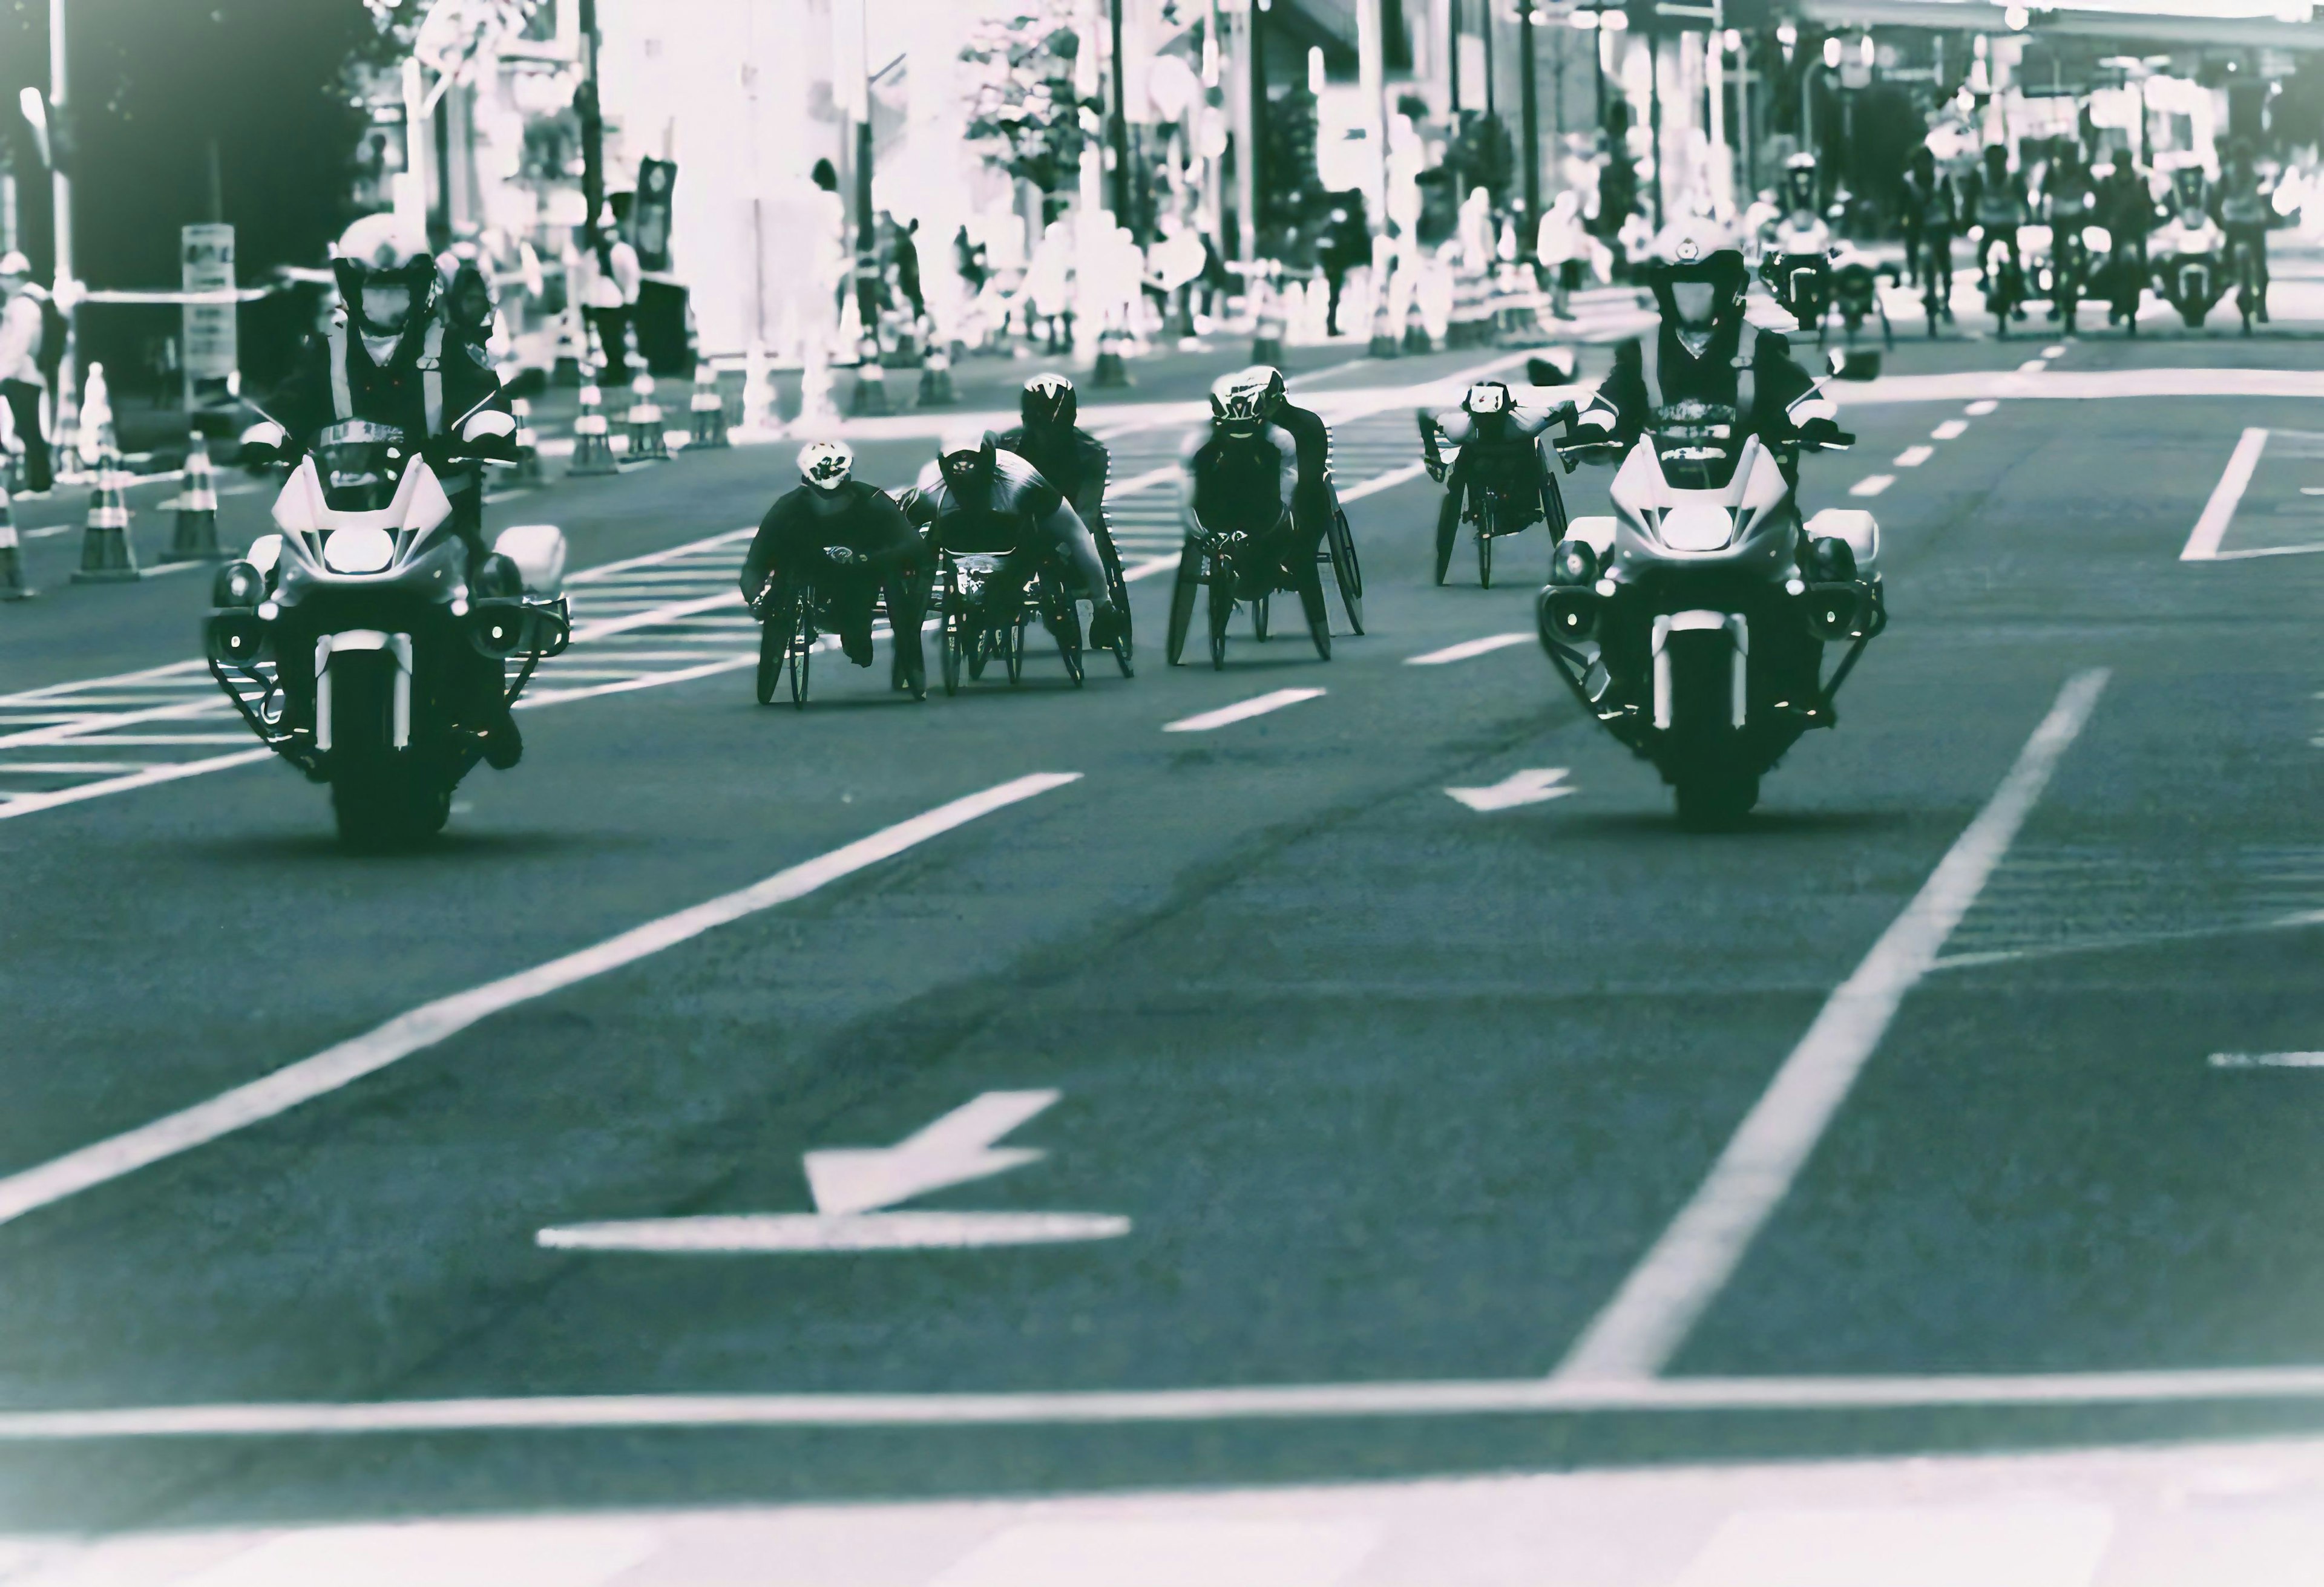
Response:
column 2097, row 239
column 1697, row 526
column 358, row 549
column 238, row 583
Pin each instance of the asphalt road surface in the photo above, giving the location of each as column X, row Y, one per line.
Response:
column 1265, row 1112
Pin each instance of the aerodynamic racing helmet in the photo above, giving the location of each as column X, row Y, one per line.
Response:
column 1238, row 402
column 1487, row 397
column 1800, row 180
column 826, row 464
column 1273, row 393
column 1049, row 399
column 965, row 457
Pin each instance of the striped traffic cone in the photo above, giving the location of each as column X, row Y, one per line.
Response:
column 528, row 444
column 12, row 468
column 871, row 399
column 936, row 379
column 107, row 553
column 12, row 559
column 759, row 415
column 196, row 536
column 1384, row 344
column 644, row 422
column 706, row 410
column 1415, row 329
column 592, row 442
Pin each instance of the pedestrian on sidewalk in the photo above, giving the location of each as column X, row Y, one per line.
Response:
column 26, row 360
column 1346, row 245
column 1563, row 244
column 610, row 275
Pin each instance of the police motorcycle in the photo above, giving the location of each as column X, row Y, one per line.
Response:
column 1795, row 252
column 1856, row 294
column 358, row 642
column 2189, row 255
column 1690, row 622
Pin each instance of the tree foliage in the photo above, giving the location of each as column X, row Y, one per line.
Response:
column 1023, row 111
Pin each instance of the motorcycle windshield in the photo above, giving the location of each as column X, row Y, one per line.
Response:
column 359, row 465
column 1697, row 444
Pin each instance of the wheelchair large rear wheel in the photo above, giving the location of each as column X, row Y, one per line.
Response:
column 802, row 657
column 1012, row 648
column 1487, row 522
column 1116, row 585
column 1184, row 589
column 954, row 641
column 1346, row 571
column 1258, row 616
column 774, row 649
column 1066, row 629
column 1319, row 615
column 1223, row 605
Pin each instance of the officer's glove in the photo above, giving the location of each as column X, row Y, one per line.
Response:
column 1822, row 434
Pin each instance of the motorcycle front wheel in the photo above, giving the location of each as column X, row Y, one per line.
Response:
column 379, row 799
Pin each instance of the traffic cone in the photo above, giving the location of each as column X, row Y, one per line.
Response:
column 644, row 422
column 707, row 408
column 1112, row 369
column 527, row 444
column 196, row 536
column 593, row 446
column 871, row 399
column 1384, row 344
column 1415, row 329
column 66, row 428
column 107, row 554
column 13, row 467
column 818, row 411
column 936, row 379
column 11, row 560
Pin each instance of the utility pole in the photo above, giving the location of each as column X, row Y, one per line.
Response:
column 1654, row 105
column 867, row 238
column 1530, row 114
column 1258, row 117
column 1371, row 70
column 1118, row 128
column 67, row 287
column 593, row 139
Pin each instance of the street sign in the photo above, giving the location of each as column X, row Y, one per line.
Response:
column 211, row 354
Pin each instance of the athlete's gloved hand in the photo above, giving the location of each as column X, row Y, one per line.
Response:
column 1105, row 627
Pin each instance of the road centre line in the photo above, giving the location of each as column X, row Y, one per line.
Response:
column 1276, row 1402
column 1953, row 430
column 2203, row 543
column 430, row 1023
column 2268, row 1061
column 1659, row 1305
column 1468, row 649
column 1240, row 710
column 1914, row 457
column 1871, row 485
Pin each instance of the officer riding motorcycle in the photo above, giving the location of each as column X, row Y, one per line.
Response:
column 1692, row 623
column 1795, row 254
column 1499, row 457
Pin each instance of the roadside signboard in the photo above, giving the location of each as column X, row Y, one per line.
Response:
column 211, row 355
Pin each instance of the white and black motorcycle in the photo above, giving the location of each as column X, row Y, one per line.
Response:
column 2189, row 258
column 1691, row 622
column 359, row 645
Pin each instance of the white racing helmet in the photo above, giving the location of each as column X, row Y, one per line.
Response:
column 826, row 464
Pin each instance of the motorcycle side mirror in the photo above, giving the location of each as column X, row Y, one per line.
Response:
column 1854, row 363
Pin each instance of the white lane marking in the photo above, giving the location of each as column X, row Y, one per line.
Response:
column 1871, row 485
column 26, row 803
column 2055, row 350
column 959, row 1147
column 1980, row 407
column 1467, row 649
column 2031, row 366
column 630, row 685
column 1151, row 565
column 1449, row 1397
column 2009, row 1540
column 655, row 558
column 1914, row 457
column 1650, row 1316
column 431, row 1022
column 2264, row 551
column 1953, row 430
column 1152, row 479
column 2268, row 1061
column 1240, row 710
column 1374, row 486
column 2203, row 544
column 775, row 1233
column 1526, row 787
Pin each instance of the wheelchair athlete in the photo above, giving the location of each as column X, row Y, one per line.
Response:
column 975, row 497
column 1241, row 476
column 1499, row 441
column 848, row 542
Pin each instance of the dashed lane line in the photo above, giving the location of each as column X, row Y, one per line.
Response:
column 1634, row 1338
column 1953, row 430
column 1871, row 485
column 2268, row 1061
column 1240, row 710
column 424, row 1027
column 1914, row 457
column 1468, row 649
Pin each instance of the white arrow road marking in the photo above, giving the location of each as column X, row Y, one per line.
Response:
column 2268, row 1061
column 851, row 1184
column 956, row 1149
column 1526, row 787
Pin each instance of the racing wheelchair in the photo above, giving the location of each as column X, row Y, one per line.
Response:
column 1238, row 568
column 984, row 610
column 794, row 621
